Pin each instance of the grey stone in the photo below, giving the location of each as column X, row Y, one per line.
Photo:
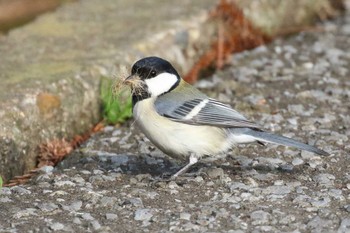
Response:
column 244, row 161
column 321, row 202
column 77, row 221
column 78, row 179
column 306, row 155
column 260, row 217
column 87, row 216
column 151, row 160
column 347, row 208
column 274, row 162
column 336, row 194
column 109, row 128
column 20, row 190
column 95, row 225
column 344, row 226
column 286, row 167
column 277, row 190
column 287, row 219
column 56, row 226
column 318, row 224
column 236, row 231
column 108, row 201
column 64, row 183
column 96, row 179
column 5, row 199
column 47, row 169
column 198, row 179
column 143, row 214
column 5, row 191
column 215, row 173
column 326, row 180
column 85, row 172
column 47, row 207
column 75, row 206
column 315, row 163
column 239, row 186
column 173, row 185
column 119, row 160
column 278, row 183
column 97, row 172
column 297, row 161
column 25, row 213
column 202, row 84
column 110, row 216
column 185, row 216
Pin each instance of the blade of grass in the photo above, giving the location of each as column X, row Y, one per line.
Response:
column 116, row 104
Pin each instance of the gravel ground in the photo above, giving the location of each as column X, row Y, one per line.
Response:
column 298, row 87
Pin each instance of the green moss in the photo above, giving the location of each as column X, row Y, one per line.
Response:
column 116, row 107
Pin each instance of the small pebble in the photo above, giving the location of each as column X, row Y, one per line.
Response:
column 260, row 217
column 46, row 169
column 110, row 216
column 344, row 226
column 60, row 184
column 95, row 225
column 20, row 190
column 5, row 199
column 47, row 207
column 347, row 208
column 75, row 206
column 215, row 173
column 278, row 182
column 297, row 162
column 77, row 221
column 56, row 226
column 143, row 214
column 198, row 179
column 87, row 216
column 185, row 216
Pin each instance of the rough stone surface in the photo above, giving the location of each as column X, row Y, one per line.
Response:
column 298, row 87
column 291, row 14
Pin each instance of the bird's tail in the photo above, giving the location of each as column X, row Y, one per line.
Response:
column 281, row 140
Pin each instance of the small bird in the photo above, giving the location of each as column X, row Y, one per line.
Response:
column 185, row 123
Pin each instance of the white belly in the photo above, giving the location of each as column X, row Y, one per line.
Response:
column 178, row 139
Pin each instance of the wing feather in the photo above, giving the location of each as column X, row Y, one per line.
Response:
column 200, row 110
column 212, row 113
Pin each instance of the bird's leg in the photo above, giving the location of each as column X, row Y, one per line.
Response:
column 193, row 159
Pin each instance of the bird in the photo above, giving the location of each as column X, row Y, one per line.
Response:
column 185, row 123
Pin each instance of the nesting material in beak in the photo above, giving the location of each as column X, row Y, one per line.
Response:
column 136, row 84
column 132, row 80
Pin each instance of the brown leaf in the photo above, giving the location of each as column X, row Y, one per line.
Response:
column 235, row 34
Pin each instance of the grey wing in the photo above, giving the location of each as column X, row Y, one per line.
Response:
column 204, row 111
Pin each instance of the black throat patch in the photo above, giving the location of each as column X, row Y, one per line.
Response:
column 141, row 95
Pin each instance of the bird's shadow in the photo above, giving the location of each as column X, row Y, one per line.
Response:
column 158, row 167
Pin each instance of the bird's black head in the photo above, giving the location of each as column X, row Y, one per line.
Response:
column 152, row 77
column 150, row 67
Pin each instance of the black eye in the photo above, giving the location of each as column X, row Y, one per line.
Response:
column 153, row 73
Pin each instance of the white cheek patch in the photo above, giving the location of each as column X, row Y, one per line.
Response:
column 161, row 83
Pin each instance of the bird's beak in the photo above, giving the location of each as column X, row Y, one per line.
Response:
column 132, row 80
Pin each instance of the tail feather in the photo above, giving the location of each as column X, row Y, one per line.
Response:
column 281, row 140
